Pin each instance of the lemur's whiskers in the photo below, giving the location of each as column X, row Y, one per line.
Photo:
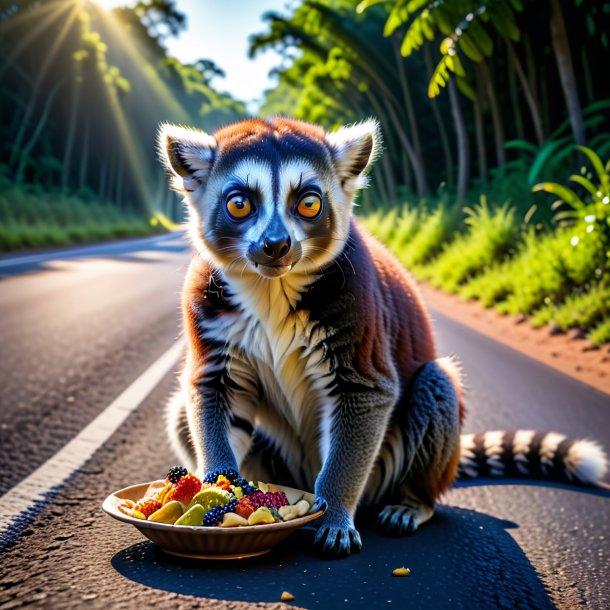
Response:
column 334, row 262
column 235, row 261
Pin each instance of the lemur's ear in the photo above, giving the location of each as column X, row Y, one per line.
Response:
column 354, row 148
column 187, row 155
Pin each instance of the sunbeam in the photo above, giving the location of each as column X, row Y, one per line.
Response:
column 134, row 158
column 122, row 39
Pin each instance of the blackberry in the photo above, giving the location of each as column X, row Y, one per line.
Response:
column 240, row 482
column 214, row 516
column 230, row 473
column 176, row 473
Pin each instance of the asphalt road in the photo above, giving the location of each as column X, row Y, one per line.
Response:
column 76, row 329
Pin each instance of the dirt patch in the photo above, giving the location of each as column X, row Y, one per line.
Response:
column 566, row 352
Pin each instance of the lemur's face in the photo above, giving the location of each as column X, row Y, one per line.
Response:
column 269, row 196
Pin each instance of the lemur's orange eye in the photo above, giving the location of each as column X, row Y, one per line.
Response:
column 239, row 206
column 309, row 206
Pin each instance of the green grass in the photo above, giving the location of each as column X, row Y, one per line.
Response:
column 435, row 229
column 577, row 311
column 489, row 237
column 601, row 333
column 33, row 220
column 491, row 256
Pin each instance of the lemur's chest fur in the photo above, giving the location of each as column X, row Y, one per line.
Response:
column 277, row 356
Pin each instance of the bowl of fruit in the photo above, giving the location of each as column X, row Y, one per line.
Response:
column 223, row 516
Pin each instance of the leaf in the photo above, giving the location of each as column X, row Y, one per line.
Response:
column 465, row 87
column 584, row 182
column 398, row 15
column 597, row 164
column 365, row 4
column 427, row 25
column 567, row 215
column 543, row 156
column 439, row 78
column 457, row 67
column 522, row 145
column 566, row 194
column 503, row 20
column 595, row 106
column 469, row 48
column 443, row 23
column 413, row 39
column 482, row 38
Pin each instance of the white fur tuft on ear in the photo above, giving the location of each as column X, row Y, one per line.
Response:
column 187, row 155
column 355, row 148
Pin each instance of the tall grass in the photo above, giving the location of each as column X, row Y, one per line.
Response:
column 490, row 256
column 33, row 220
column 489, row 237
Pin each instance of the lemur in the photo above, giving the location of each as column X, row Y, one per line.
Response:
column 310, row 357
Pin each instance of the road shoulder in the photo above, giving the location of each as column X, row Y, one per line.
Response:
column 561, row 352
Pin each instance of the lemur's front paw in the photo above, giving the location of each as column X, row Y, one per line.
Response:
column 319, row 504
column 336, row 541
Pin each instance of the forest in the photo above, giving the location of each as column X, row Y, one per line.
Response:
column 495, row 177
column 83, row 91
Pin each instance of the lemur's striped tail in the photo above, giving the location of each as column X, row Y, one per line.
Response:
column 533, row 455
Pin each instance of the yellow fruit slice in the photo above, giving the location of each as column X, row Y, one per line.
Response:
column 209, row 498
column 163, row 492
column 261, row 515
column 233, row 520
column 132, row 512
column 169, row 513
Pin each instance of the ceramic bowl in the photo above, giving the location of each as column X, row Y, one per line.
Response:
column 210, row 542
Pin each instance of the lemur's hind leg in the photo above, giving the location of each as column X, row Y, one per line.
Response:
column 430, row 432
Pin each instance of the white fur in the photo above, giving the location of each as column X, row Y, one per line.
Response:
column 548, row 449
column 198, row 149
column 275, row 350
column 467, row 455
column 493, row 450
column 521, row 445
column 586, row 461
column 348, row 142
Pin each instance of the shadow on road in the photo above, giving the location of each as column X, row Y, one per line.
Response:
column 461, row 559
column 120, row 251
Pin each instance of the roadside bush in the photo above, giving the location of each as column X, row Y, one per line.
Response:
column 434, row 231
column 408, row 223
column 491, row 235
column 601, row 333
column 577, row 311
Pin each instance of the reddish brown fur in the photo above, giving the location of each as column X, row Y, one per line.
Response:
column 250, row 131
column 193, row 296
column 395, row 321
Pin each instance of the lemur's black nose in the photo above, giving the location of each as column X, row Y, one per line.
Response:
column 276, row 246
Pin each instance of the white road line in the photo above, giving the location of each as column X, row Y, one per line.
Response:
column 96, row 250
column 69, row 459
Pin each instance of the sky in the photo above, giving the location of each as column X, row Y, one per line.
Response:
column 219, row 30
